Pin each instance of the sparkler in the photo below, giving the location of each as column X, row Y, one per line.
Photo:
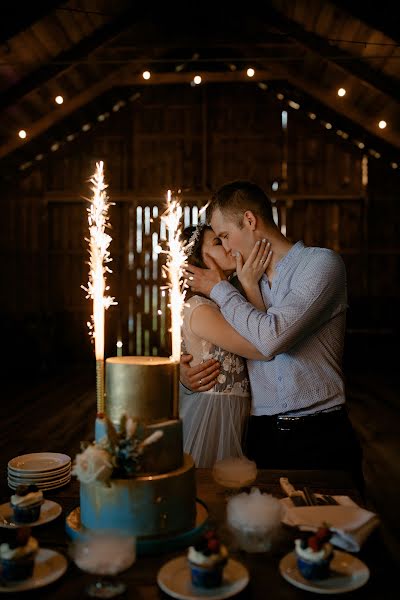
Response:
column 99, row 256
column 176, row 261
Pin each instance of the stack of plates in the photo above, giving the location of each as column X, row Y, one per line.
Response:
column 47, row 470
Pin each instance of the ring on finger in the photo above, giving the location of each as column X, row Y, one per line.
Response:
column 201, row 382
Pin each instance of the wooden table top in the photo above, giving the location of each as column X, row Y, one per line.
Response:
column 265, row 579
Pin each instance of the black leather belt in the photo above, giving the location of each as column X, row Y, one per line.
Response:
column 290, row 422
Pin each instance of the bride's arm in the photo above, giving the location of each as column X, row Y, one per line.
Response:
column 209, row 324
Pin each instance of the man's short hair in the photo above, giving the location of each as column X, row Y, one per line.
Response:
column 233, row 199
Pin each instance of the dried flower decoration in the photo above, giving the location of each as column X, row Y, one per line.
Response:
column 117, row 454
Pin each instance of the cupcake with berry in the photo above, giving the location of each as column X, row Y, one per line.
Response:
column 207, row 559
column 314, row 554
column 17, row 554
column 26, row 503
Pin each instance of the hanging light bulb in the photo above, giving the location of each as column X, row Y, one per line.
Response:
column 146, row 75
column 382, row 124
column 250, row 72
column 341, row 92
column 59, row 99
column 22, row 134
column 197, row 79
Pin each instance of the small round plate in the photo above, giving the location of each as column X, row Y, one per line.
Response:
column 347, row 573
column 175, row 579
column 41, row 462
column 49, row 511
column 49, row 566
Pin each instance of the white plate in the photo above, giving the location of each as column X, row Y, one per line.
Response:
column 37, row 480
column 49, row 566
column 48, row 512
column 347, row 573
column 39, row 462
column 174, row 578
column 35, row 476
column 42, row 486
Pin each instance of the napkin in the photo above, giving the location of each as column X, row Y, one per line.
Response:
column 350, row 523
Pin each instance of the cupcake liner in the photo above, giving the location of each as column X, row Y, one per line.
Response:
column 207, row 576
column 27, row 514
column 17, row 569
column 314, row 570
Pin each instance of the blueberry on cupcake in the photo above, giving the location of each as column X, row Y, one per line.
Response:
column 26, row 503
column 207, row 559
column 314, row 554
column 17, row 554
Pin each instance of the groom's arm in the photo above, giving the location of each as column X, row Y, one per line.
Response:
column 318, row 297
column 200, row 378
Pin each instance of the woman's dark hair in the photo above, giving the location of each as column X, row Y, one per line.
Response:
column 195, row 256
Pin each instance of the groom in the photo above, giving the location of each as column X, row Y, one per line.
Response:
column 298, row 418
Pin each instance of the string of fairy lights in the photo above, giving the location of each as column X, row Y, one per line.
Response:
column 196, row 80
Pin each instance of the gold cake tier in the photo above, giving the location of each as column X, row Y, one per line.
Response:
column 143, row 387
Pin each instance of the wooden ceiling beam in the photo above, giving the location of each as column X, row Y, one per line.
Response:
column 40, row 126
column 187, row 77
column 345, row 61
column 349, row 113
column 16, row 19
column 66, row 59
column 372, row 14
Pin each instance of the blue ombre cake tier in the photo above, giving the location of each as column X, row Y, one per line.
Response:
column 145, row 506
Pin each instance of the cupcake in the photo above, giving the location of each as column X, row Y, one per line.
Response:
column 26, row 503
column 17, row 554
column 207, row 560
column 314, row 554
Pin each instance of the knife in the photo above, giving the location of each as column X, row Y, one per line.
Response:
column 309, row 496
column 296, row 496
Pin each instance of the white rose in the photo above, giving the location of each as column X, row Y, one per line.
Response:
column 221, row 378
column 93, row 464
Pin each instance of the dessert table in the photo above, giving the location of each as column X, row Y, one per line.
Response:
column 265, row 579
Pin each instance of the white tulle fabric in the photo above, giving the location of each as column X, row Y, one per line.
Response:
column 213, row 422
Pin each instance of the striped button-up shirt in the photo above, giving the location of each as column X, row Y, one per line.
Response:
column 301, row 333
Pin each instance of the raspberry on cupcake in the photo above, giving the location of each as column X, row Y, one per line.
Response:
column 26, row 503
column 314, row 554
column 207, row 559
column 17, row 554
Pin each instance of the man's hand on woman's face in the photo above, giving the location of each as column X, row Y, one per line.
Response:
column 201, row 378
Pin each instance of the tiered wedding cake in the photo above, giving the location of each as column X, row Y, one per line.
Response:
column 158, row 497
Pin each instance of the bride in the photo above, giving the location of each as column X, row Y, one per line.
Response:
column 214, row 420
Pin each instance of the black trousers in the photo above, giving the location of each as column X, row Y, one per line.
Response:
column 325, row 440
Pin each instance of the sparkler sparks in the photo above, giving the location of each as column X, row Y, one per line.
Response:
column 176, row 262
column 99, row 257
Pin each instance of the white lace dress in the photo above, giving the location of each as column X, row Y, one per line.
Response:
column 213, row 421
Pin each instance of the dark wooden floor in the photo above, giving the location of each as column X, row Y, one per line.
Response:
column 52, row 411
